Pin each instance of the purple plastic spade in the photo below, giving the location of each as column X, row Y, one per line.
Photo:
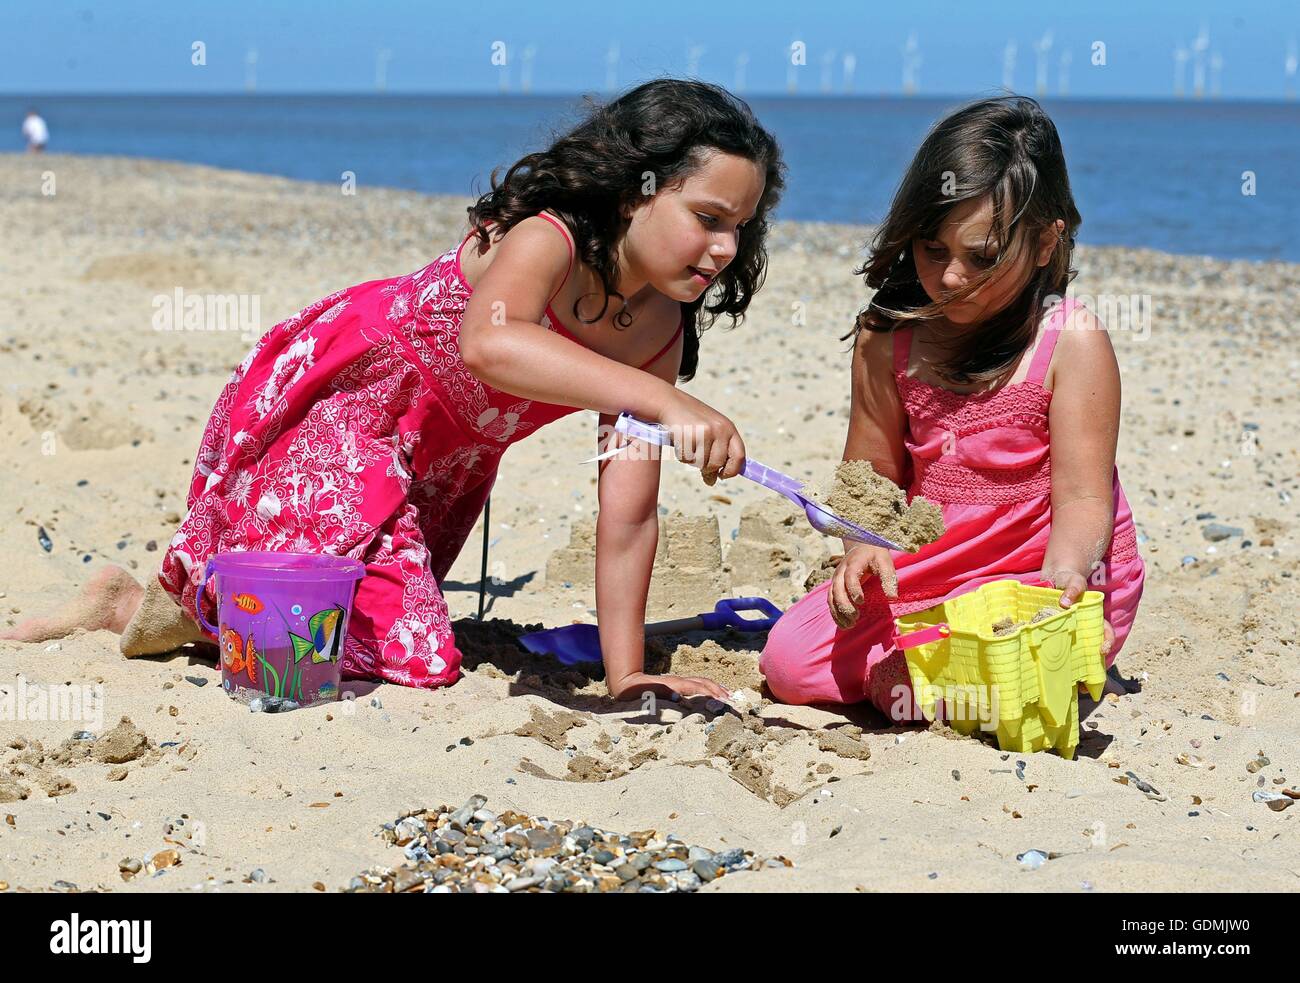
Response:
column 822, row 519
column 581, row 643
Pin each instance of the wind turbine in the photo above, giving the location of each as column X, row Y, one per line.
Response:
column 828, row 70
column 791, row 75
column 1216, row 75
column 850, row 64
column 1009, row 65
column 526, row 69
column 693, row 55
column 1289, row 66
column 382, row 58
column 611, row 67
column 742, row 60
column 911, row 62
column 1041, row 47
column 1199, row 47
column 1180, row 71
column 250, row 70
column 1063, row 75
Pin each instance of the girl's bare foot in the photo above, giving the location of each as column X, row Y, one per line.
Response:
column 108, row 601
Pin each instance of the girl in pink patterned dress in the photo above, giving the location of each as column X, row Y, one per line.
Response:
column 371, row 424
column 976, row 386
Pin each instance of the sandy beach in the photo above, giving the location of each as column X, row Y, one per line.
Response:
column 101, row 414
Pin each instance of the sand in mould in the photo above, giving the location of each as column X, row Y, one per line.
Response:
column 870, row 500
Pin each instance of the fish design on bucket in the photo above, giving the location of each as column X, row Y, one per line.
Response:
column 248, row 603
column 326, row 639
column 237, row 656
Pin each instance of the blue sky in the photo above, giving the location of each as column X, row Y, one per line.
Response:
column 434, row 46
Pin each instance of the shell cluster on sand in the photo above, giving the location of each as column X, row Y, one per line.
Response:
column 475, row 850
column 858, row 493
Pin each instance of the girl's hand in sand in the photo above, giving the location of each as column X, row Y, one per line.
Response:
column 846, row 594
column 631, row 687
column 1072, row 584
column 704, row 437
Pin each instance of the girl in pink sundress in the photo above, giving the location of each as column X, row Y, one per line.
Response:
column 371, row 424
column 976, row 385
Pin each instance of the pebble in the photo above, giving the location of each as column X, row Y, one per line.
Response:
column 196, row 680
column 43, row 538
column 257, row 875
column 669, row 866
column 705, row 870
column 1216, row 532
column 1274, row 800
column 1033, row 859
column 83, row 735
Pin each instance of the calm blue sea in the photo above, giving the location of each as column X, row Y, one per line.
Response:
column 1165, row 175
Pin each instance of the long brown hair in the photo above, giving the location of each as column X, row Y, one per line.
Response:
column 591, row 174
column 1006, row 149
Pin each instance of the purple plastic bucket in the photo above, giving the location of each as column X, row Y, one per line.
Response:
column 282, row 619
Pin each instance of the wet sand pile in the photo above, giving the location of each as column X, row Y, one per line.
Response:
column 872, row 501
column 31, row 765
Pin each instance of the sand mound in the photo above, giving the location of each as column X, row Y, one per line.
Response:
column 867, row 499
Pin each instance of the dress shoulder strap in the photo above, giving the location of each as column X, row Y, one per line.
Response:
column 568, row 241
column 1047, row 344
column 681, row 324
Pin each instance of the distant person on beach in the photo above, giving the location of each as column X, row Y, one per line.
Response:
column 371, row 424
column 35, row 132
column 978, row 385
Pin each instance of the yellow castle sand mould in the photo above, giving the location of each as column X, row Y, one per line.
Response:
column 872, row 501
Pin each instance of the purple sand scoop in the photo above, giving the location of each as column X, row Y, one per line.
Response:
column 571, row 644
column 821, row 518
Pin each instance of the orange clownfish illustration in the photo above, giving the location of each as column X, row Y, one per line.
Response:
column 248, row 603
column 237, row 658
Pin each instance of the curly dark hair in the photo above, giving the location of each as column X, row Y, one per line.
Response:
column 1006, row 148
column 591, row 174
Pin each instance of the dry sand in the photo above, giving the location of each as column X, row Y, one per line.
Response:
column 102, row 414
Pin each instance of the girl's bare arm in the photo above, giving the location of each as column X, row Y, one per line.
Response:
column 1084, row 424
column 627, row 532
